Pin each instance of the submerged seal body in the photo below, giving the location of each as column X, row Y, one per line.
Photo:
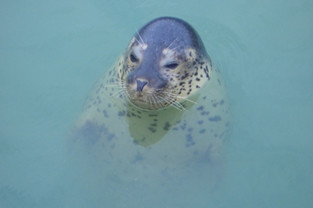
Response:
column 161, row 108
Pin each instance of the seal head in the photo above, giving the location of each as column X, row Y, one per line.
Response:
column 159, row 57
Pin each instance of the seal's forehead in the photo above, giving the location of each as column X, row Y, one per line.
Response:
column 167, row 30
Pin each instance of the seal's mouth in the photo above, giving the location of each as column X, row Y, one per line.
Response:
column 150, row 99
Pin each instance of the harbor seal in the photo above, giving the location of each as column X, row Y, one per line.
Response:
column 161, row 109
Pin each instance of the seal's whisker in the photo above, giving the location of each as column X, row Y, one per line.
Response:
column 157, row 102
column 138, row 41
column 186, row 99
column 172, row 103
column 113, row 83
column 114, row 86
column 174, row 48
column 117, row 90
column 152, row 101
column 169, row 46
column 160, row 100
column 142, row 42
column 179, row 105
column 148, row 99
column 127, row 95
column 118, row 93
column 182, row 98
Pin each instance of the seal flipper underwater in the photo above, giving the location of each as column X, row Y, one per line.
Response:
column 161, row 108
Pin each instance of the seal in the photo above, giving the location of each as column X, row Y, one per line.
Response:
column 162, row 107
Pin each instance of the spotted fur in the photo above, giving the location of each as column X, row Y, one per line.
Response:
column 164, row 141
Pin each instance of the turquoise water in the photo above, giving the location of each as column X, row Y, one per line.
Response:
column 52, row 53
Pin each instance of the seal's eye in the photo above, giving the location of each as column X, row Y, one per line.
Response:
column 133, row 58
column 171, row 65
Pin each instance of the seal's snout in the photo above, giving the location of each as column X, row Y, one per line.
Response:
column 140, row 85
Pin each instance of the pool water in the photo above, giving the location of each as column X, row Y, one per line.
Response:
column 51, row 54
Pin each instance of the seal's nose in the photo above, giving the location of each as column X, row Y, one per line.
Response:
column 141, row 84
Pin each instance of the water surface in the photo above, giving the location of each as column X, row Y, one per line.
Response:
column 52, row 53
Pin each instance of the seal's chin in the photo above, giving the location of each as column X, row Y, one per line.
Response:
column 149, row 101
column 143, row 105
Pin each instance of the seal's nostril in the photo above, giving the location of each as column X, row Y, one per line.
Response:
column 140, row 85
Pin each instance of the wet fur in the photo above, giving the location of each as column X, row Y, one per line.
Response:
column 165, row 142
